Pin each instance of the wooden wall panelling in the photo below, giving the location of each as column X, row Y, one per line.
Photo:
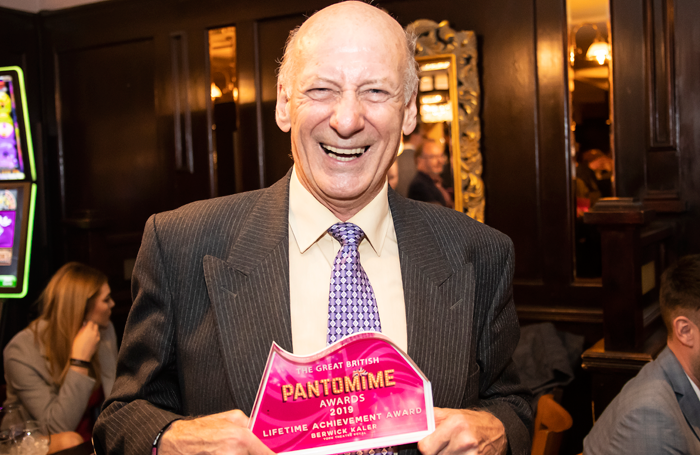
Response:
column 247, row 149
column 660, row 52
column 111, row 98
column 112, row 174
column 182, row 111
column 258, row 106
column 108, row 131
column 553, row 143
column 628, row 94
column 687, row 70
column 663, row 171
column 573, row 304
column 273, row 35
column 195, row 183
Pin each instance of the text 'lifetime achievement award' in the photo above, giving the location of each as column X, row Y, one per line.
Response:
column 361, row 392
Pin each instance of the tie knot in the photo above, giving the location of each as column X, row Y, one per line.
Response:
column 347, row 233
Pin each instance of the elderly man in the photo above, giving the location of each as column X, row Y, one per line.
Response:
column 658, row 411
column 217, row 281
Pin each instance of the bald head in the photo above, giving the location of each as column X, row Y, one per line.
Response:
column 352, row 19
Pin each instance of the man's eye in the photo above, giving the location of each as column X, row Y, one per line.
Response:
column 376, row 94
column 319, row 93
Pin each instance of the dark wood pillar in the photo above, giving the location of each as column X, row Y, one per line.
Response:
column 635, row 250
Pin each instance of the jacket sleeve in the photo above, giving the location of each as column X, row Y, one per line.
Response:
column 28, row 376
column 500, row 390
column 146, row 393
column 645, row 430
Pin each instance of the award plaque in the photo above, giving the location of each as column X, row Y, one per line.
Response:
column 361, row 392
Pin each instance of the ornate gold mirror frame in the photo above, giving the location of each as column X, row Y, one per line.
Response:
column 441, row 48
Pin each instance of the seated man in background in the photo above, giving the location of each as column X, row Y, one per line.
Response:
column 427, row 186
column 659, row 410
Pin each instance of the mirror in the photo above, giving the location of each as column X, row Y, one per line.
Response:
column 590, row 101
column 441, row 161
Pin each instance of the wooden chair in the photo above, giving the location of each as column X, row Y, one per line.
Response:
column 550, row 423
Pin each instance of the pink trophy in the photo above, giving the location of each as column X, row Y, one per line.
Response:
column 362, row 392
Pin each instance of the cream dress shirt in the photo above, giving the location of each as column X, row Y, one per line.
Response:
column 312, row 251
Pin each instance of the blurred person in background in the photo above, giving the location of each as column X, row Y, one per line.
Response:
column 427, row 186
column 62, row 366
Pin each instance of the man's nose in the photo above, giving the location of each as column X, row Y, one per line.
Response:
column 348, row 115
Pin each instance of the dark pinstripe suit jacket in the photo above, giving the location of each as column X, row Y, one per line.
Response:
column 211, row 289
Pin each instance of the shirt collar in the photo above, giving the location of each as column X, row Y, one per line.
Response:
column 310, row 220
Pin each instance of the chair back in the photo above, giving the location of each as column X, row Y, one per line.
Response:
column 550, row 423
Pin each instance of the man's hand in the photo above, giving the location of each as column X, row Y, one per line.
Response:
column 465, row 431
column 224, row 433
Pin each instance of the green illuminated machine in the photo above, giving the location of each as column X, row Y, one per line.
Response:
column 17, row 185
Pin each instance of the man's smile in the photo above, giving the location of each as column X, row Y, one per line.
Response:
column 341, row 154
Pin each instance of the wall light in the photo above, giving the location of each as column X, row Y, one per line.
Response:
column 599, row 50
column 215, row 91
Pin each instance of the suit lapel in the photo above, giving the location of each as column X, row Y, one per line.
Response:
column 250, row 293
column 687, row 398
column 439, row 304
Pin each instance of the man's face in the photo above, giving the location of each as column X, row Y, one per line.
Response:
column 346, row 110
column 433, row 158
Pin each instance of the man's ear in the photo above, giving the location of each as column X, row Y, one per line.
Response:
column 282, row 109
column 409, row 116
column 685, row 331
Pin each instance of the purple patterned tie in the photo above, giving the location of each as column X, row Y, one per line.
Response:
column 352, row 306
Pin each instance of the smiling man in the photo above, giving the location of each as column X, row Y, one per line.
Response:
column 216, row 282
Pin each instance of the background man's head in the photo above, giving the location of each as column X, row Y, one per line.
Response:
column 346, row 90
column 679, row 297
column 431, row 158
column 679, row 294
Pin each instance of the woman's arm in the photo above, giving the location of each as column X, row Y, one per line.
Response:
column 28, row 377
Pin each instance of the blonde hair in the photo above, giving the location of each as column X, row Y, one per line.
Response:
column 68, row 297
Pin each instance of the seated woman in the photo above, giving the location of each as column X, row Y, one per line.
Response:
column 62, row 366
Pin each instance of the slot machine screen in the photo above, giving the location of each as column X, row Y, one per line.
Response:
column 17, row 185
column 12, row 140
column 16, row 219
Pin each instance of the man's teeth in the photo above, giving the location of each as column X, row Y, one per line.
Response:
column 344, row 154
